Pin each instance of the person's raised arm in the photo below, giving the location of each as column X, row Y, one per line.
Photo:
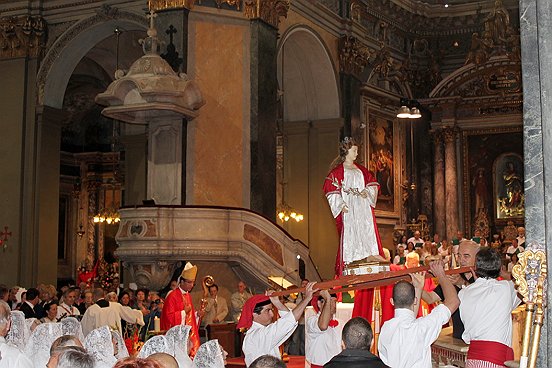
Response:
column 309, row 291
column 418, row 281
column 449, row 292
column 325, row 313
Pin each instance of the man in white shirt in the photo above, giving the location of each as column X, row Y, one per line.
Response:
column 238, row 300
column 67, row 308
column 263, row 335
column 405, row 342
column 10, row 357
column 216, row 309
column 486, row 308
column 416, row 240
column 324, row 333
column 514, row 248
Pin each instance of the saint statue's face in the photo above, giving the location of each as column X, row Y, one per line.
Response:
column 352, row 153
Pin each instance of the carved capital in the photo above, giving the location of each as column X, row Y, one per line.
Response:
column 269, row 11
column 353, row 55
column 437, row 135
column 449, row 134
column 22, row 36
column 157, row 5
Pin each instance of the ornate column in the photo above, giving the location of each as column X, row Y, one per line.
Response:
column 353, row 58
column 536, row 28
column 439, row 184
column 264, row 18
column 451, row 186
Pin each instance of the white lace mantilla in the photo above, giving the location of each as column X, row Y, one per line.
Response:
column 209, row 355
column 38, row 347
column 177, row 338
column 99, row 343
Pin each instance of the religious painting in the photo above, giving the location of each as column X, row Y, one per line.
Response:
column 508, row 186
column 493, row 177
column 380, row 159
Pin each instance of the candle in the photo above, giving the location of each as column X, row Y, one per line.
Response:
column 156, row 324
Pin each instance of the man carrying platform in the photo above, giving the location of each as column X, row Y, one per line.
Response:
column 466, row 254
column 265, row 336
column 324, row 332
column 486, row 310
column 179, row 310
column 405, row 341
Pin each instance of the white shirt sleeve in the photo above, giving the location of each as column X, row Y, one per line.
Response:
column 336, row 203
column 433, row 323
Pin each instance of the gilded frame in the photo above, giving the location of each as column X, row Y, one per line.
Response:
column 375, row 119
column 467, row 177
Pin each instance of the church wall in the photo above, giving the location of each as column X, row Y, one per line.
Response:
column 12, row 95
column 218, row 140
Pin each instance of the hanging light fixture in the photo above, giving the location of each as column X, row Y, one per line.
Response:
column 409, row 109
column 404, row 112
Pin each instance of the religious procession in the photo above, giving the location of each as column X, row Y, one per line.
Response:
column 274, row 183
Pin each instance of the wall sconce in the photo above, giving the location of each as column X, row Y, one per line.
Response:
column 410, row 109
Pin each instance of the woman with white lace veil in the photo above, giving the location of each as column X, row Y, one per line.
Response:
column 19, row 333
column 38, row 347
column 99, row 343
column 156, row 344
column 121, row 350
column 177, row 338
column 210, row 355
column 72, row 326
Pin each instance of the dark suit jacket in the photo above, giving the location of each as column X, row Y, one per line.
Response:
column 350, row 358
column 27, row 310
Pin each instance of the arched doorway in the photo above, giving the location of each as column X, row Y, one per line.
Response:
column 310, row 123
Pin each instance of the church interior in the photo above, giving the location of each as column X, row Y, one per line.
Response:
column 142, row 134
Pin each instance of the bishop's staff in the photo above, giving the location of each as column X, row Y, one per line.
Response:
column 530, row 274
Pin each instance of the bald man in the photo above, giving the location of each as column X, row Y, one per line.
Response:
column 405, row 341
column 467, row 251
column 164, row 359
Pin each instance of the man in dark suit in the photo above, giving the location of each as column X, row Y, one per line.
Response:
column 28, row 307
column 356, row 338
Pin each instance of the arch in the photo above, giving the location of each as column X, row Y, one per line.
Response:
column 307, row 76
column 67, row 51
column 469, row 80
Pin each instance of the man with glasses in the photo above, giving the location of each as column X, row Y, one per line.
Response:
column 265, row 336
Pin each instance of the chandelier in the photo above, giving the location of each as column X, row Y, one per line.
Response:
column 285, row 213
column 108, row 215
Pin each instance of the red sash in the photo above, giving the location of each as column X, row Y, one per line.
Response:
column 490, row 351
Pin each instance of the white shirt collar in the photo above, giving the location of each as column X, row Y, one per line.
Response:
column 30, row 304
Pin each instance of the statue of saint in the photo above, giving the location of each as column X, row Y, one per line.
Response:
column 352, row 192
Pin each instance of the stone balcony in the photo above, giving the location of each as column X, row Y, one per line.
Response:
column 154, row 240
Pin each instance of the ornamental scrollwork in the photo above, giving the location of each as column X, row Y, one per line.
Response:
column 22, row 36
column 270, row 11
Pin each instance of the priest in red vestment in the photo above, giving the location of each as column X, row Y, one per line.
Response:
column 179, row 310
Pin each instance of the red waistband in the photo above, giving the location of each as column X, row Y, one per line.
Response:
column 490, row 351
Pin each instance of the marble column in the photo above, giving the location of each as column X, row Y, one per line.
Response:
column 451, row 186
column 263, row 112
column 536, row 51
column 439, row 184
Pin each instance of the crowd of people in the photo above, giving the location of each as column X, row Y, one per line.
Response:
column 88, row 326
column 85, row 326
column 447, row 251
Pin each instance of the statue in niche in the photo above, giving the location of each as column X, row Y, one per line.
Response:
column 497, row 24
column 352, row 192
column 479, row 184
column 513, row 203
